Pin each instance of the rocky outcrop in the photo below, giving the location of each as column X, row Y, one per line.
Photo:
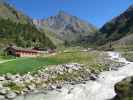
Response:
column 124, row 89
column 65, row 26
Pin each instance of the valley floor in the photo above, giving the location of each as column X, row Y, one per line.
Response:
column 26, row 75
column 69, row 74
column 25, row 65
column 100, row 89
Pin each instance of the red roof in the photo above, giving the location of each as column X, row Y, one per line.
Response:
column 19, row 49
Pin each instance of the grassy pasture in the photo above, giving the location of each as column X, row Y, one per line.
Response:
column 24, row 65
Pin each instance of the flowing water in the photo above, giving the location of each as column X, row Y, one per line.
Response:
column 101, row 89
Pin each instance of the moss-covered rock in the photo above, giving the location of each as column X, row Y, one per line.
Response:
column 124, row 89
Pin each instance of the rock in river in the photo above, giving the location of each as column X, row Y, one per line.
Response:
column 11, row 95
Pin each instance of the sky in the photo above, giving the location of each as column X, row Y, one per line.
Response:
column 96, row 12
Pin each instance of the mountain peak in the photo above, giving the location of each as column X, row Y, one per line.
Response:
column 130, row 7
column 66, row 26
column 61, row 12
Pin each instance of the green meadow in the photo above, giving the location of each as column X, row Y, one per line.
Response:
column 24, row 65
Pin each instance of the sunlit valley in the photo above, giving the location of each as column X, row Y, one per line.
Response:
column 63, row 56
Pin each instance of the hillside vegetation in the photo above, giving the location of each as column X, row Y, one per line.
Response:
column 9, row 12
column 17, row 28
column 24, row 35
column 118, row 29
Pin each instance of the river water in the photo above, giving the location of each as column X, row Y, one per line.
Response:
column 101, row 89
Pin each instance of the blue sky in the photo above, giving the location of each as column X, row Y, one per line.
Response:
column 96, row 12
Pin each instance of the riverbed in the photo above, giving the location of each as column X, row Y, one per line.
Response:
column 101, row 89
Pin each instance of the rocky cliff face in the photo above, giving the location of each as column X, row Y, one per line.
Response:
column 66, row 26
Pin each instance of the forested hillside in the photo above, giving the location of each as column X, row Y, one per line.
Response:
column 17, row 28
column 25, row 35
column 119, row 27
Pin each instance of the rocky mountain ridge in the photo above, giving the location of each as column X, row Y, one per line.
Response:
column 65, row 26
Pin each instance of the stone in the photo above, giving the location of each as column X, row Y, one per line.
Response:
column 3, row 91
column 22, row 92
column 93, row 77
column 25, row 90
column 9, row 76
column 32, row 82
column 1, row 86
column 2, row 97
column 43, row 85
column 58, row 86
column 2, row 78
column 31, row 87
column 70, row 70
column 17, row 81
column 51, row 87
column 114, row 68
column 11, row 95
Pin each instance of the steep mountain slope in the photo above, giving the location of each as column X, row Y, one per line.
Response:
column 54, row 38
column 24, row 35
column 9, row 12
column 66, row 27
column 16, row 28
column 118, row 27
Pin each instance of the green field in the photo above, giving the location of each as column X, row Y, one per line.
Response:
column 24, row 65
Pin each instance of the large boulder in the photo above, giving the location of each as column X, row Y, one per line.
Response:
column 124, row 89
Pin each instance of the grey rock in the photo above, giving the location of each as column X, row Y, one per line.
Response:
column 51, row 87
column 93, row 77
column 3, row 91
column 31, row 87
column 25, row 90
column 2, row 97
column 2, row 78
column 9, row 76
column 70, row 71
column 11, row 95
column 1, row 86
